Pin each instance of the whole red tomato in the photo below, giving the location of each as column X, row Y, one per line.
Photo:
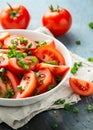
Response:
column 58, row 20
column 14, row 17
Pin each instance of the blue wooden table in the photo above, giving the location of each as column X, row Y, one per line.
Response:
column 82, row 14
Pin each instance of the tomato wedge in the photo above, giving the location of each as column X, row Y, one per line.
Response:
column 45, row 79
column 13, row 80
column 81, row 87
column 9, row 81
column 29, row 61
column 21, row 42
column 48, row 54
column 28, row 84
column 3, row 61
column 55, row 69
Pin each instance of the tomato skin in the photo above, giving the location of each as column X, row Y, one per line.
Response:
column 57, row 22
column 55, row 69
column 13, row 79
column 81, row 87
column 48, row 53
column 19, row 21
column 28, row 83
column 46, row 78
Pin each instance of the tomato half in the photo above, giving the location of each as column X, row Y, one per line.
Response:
column 45, row 79
column 4, row 61
column 55, row 69
column 21, row 42
column 58, row 21
column 81, row 87
column 14, row 17
column 48, row 54
column 28, row 84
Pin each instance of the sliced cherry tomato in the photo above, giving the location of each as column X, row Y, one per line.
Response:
column 24, row 65
column 45, row 79
column 55, row 69
column 48, row 54
column 13, row 80
column 58, row 20
column 14, row 17
column 28, row 85
column 3, row 60
column 8, row 81
column 21, row 42
column 81, row 87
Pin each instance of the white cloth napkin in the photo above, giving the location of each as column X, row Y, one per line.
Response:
column 19, row 116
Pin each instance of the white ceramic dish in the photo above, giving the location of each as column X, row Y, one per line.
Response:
column 37, row 37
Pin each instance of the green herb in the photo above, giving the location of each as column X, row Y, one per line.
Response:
column 53, row 62
column 50, row 87
column 34, row 59
column 58, row 78
column 78, row 42
column 14, row 42
column 29, row 45
column 67, row 106
column 10, row 92
column 75, row 67
column 75, row 110
column 11, row 53
column 23, row 65
column 60, row 101
column 19, row 88
column 0, row 46
column 0, row 94
column 39, row 44
column 90, row 108
column 22, row 40
column 90, row 59
column 54, row 126
column 91, row 25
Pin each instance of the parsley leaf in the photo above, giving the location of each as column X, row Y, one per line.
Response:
column 91, row 25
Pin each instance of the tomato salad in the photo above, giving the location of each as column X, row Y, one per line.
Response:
column 27, row 67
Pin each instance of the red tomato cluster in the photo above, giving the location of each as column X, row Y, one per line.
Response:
column 58, row 20
column 28, row 67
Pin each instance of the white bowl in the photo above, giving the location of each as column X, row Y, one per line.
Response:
column 37, row 37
